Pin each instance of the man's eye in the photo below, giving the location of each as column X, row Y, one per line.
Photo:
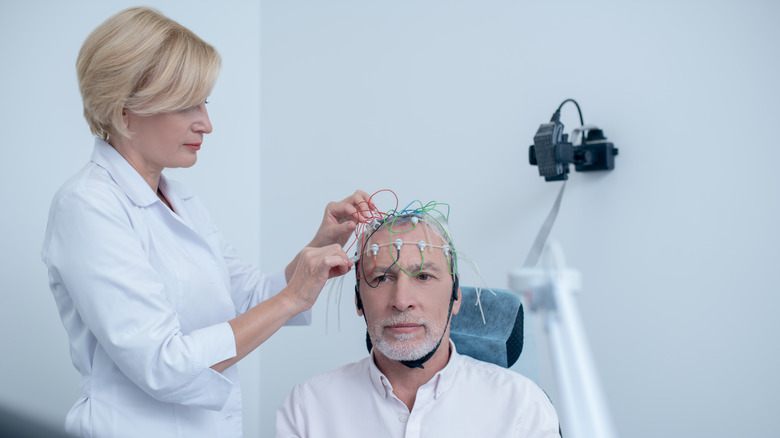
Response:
column 379, row 279
column 424, row 277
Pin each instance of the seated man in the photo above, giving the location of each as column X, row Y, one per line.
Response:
column 414, row 383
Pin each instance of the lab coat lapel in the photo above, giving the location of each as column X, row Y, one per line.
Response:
column 140, row 194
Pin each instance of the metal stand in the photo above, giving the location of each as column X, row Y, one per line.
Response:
column 549, row 294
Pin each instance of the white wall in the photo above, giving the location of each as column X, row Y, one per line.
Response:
column 439, row 101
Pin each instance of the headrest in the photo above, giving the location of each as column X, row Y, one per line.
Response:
column 499, row 339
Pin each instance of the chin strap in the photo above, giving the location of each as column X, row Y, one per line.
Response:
column 417, row 363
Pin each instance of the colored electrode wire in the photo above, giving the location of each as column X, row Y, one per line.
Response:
column 367, row 213
column 370, row 216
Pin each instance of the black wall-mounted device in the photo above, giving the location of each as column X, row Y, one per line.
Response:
column 552, row 152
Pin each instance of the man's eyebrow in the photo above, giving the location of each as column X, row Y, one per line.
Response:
column 411, row 269
column 392, row 269
column 427, row 266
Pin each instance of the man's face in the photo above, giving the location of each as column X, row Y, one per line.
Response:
column 406, row 312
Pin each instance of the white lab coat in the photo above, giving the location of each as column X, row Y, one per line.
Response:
column 145, row 295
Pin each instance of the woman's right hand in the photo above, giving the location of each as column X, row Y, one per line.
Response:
column 313, row 267
column 341, row 219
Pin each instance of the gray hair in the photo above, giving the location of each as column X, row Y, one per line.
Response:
column 433, row 221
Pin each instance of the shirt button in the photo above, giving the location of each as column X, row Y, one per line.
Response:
column 403, row 418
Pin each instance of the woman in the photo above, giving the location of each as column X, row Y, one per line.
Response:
column 157, row 306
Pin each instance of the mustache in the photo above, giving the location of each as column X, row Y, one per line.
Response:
column 403, row 318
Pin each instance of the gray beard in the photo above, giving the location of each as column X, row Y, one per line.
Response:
column 402, row 347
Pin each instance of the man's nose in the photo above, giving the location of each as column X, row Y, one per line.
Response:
column 404, row 297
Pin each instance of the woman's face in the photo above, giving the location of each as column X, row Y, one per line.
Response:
column 164, row 140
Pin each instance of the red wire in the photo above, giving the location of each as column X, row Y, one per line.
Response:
column 367, row 213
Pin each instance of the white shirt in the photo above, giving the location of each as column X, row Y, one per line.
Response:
column 145, row 295
column 467, row 398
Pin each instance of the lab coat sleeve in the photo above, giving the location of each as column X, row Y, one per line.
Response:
column 250, row 287
column 93, row 252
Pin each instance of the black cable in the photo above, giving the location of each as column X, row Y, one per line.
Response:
column 558, row 111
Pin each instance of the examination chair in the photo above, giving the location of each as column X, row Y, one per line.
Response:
column 499, row 339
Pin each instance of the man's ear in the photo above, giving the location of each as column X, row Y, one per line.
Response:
column 358, row 302
column 456, row 303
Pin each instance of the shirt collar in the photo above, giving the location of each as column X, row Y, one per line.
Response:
column 129, row 180
column 442, row 380
column 378, row 379
column 445, row 378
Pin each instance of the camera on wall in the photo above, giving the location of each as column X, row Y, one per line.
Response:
column 552, row 152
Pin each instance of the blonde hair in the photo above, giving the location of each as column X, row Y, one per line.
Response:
column 144, row 62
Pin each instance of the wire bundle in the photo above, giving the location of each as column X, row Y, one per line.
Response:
column 369, row 215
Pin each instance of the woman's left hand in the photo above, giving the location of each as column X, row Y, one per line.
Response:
column 341, row 219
